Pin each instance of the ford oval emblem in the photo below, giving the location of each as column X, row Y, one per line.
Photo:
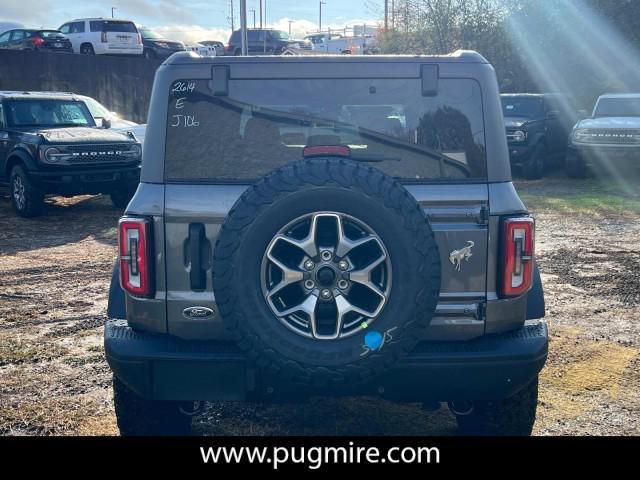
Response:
column 197, row 312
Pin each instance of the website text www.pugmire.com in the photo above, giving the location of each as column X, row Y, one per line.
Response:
column 315, row 457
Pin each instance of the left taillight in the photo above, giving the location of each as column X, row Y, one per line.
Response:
column 37, row 41
column 517, row 255
column 136, row 258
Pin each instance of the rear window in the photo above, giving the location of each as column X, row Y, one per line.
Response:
column 264, row 124
column 112, row 26
column 50, row 34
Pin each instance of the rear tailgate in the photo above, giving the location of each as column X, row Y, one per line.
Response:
column 458, row 214
column 121, row 34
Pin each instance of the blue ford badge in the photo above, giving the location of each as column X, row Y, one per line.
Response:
column 197, row 312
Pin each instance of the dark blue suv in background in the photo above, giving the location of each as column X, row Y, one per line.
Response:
column 261, row 41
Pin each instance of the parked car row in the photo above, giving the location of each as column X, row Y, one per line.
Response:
column 99, row 36
column 545, row 130
column 94, row 36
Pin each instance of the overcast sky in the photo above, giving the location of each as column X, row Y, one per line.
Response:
column 192, row 20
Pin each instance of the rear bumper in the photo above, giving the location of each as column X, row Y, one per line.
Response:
column 86, row 181
column 166, row 368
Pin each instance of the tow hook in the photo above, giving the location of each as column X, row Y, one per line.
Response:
column 197, row 408
column 461, row 407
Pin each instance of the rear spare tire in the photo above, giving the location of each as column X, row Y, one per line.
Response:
column 326, row 271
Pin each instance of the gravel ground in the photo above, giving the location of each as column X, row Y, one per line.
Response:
column 54, row 275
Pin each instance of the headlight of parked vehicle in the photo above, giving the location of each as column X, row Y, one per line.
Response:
column 134, row 152
column 51, row 155
column 518, row 136
column 580, row 135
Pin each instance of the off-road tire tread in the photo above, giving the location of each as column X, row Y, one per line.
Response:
column 137, row 416
column 34, row 198
column 347, row 174
column 513, row 416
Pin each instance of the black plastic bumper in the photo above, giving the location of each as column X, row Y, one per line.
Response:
column 519, row 153
column 88, row 180
column 607, row 155
column 166, row 368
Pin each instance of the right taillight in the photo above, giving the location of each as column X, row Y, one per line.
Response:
column 136, row 260
column 517, row 255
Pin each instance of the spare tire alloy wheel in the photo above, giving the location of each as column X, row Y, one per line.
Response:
column 326, row 271
column 326, row 285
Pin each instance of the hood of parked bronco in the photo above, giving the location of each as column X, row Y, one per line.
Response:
column 84, row 135
column 610, row 122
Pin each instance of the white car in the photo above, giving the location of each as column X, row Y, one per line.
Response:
column 100, row 112
column 99, row 36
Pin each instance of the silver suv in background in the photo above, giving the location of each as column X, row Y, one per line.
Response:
column 100, row 36
column 608, row 142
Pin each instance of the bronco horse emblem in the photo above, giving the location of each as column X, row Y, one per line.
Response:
column 457, row 256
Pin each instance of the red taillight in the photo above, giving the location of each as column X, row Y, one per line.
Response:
column 228, row 47
column 517, row 255
column 321, row 150
column 37, row 41
column 134, row 247
column 103, row 37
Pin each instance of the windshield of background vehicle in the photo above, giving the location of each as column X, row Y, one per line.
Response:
column 48, row 113
column 264, row 124
column 528, row 107
column 618, row 107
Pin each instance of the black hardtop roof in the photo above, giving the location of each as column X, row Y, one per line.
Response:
column 460, row 56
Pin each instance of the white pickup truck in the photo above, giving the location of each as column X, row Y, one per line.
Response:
column 336, row 43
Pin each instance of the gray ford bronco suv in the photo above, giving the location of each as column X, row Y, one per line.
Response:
column 326, row 225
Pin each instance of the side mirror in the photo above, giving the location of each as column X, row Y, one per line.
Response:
column 106, row 123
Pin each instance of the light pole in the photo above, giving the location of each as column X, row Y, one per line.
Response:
column 254, row 18
column 290, row 22
column 260, row 13
column 243, row 25
column 320, row 16
column 112, row 10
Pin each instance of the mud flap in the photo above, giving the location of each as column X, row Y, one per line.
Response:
column 535, row 297
column 116, row 306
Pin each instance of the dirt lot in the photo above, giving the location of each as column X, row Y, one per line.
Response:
column 54, row 274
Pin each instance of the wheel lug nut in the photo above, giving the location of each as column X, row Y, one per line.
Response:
column 308, row 284
column 342, row 284
column 325, row 293
column 309, row 265
column 326, row 255
column 343, row 265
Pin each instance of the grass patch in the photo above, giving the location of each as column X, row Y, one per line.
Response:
column 14, row 351
column 594, row 197
column 584, row 203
